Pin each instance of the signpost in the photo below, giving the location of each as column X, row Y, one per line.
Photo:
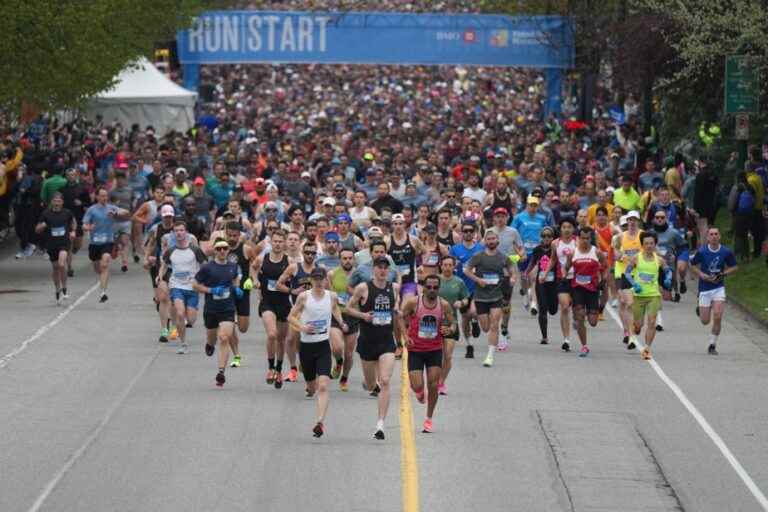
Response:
column 742, row 127
column 742, row 85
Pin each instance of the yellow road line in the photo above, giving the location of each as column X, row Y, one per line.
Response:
column 409, row 469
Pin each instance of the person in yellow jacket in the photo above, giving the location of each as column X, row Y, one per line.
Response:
column 9, row 168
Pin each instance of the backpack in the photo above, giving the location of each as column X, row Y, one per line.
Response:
column 745, row 203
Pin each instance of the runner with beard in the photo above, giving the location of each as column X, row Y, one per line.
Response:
column 338, row 280
column 463, row 252
column 546, row 285
column 488, row 269
column 294, row 280
column 429, row 318
column 275, row 305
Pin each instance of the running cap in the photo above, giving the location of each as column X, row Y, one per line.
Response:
column 318, row 273
column 167, row 211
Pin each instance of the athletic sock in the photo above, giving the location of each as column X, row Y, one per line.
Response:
column 271, row 361
column 380, row 425
column 491, row 350
column 713, row 339
column 279, row 365
column 504, row 331
column 339, row 361
column 659, row 321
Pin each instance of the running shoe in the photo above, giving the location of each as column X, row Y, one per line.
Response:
column 220, row 378
column 235, row 362
column 420, row 396
column 475, row 328
column 427, row 426
column 379, row 434
column 293, row 375
column 343, row 385
column 584, row 352
column 544, row 341
column 189, row 325
column 645, row 354
column 164, row 337
column 399, row 352
column 442, row 389
column 470, row 352
column 503, row 345
column 336, row 371
column 278, row 380
column 174, row 334
column 209, row 349
column 64, row 295
column 375, row 392
column 70, row 273
column 20, row 255
column 136, row 258
column 566, row 347
column 271, row 376
column 103, row 298
column 308, row 395
column 30, row 250
column 625, row 339
column 659, row 328
column 534, row 309
column 318, row 430
column 124, row 268
column 676, row 297
column 488, row 361
column 632, row 345
column 712, row 350
column 683, row 287
column 182, row 349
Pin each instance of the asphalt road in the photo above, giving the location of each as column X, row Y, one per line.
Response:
column 96, row 415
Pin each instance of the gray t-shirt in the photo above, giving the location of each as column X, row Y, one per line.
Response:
column 509, row 239
column 490, row 268
column 122, row 197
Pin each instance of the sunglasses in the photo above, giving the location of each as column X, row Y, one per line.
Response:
column 467, row 230
column 310, row 253
column 431, row 287
column 222, row 249
column 662, row 217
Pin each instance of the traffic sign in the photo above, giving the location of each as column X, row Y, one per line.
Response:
column 742, row 85
column 742, row 126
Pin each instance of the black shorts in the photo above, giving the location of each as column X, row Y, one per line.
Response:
column 79, row 230
column 315, row 359
column 464, row 309
column 53, row 252
column 564, row 286
column 418, row 361
column 352, row 322
column 95, row 252
column 372, row 350
column 624, row 283
column 243, row 304
column 281, row 310
column 587, row 298
column 506, row 292
column 153, row 272
column 212, row 320
column 484, row 308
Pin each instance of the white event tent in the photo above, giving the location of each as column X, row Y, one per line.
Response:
column 145, row 96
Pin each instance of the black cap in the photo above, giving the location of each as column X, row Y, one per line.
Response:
column 318, row 273
column 381, row 261
column 430, row 229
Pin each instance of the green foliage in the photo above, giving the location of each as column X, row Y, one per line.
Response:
column 56, row 53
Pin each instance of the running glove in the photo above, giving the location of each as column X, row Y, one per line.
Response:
column 637, row 288
column 248, row 284
column 218, row 291
column 238, row 292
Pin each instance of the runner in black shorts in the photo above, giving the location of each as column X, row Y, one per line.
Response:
column 375, row 303
column 58, row 227
column 153, row 249
column 219, row 280
column 338, row 280
column 561, row 249
column 242, row 253
column 546, row 286
column 275, row 305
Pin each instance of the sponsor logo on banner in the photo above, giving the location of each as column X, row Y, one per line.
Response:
column 470, row 36
column 500, row 38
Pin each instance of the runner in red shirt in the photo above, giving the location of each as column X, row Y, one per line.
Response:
column 429, row 318
column 586, row 262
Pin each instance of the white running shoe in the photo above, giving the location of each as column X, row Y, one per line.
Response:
column 614, row 303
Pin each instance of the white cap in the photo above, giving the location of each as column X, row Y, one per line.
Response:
column 399, row 217
column 632, row 214
column 167, row 211
column 329, row 201
column 181, row 170
column 305, row 174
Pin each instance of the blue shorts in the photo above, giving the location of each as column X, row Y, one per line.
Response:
column 684, row 256
column 190, row 297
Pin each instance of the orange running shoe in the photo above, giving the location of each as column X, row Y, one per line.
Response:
column 270, row 377
column 427, row 426
column 292, row 376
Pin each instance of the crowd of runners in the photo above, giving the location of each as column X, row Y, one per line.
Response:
column 358, row 211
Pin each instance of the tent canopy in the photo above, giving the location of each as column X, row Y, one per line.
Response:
column 145, row 96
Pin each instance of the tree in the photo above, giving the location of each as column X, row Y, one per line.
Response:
column 59, row 52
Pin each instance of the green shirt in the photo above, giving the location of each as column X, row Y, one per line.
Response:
column 453, row 289
column 51, row 185
column 646, row 274
column 626, row 200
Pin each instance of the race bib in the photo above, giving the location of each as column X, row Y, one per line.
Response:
column 182, row 275
column 631, row 252
column 58, row 231
column 582, row 279
column 320, row 326
column 428, row 328
column 99, row 238
column 491, row 279
column 343, row 299
column 662, row 251
column 645, row 277
column 382, row 317
column 223, row 296
column 530, row 245
column 432, row 260
column 272, row 285
column 549, row 277
column 404, row 269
